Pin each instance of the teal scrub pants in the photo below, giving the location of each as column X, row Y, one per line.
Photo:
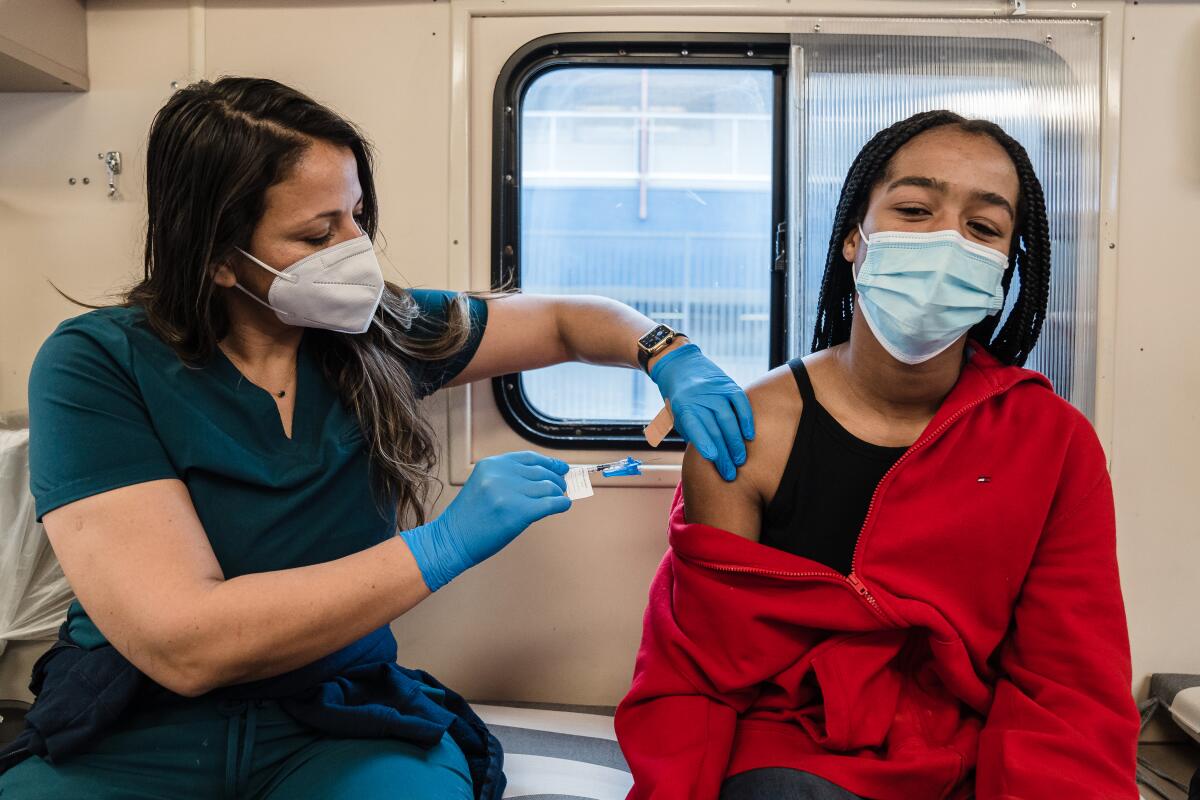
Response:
column 236, row 751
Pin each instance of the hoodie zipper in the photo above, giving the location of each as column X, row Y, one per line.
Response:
column 852, row 580
column 950, row 420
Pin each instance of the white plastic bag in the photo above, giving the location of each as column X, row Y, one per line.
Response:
column 34, row 595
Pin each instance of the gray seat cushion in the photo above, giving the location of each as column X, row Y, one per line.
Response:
column 555, row 752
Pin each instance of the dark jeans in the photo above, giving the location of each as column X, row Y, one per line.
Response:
column 777, row 783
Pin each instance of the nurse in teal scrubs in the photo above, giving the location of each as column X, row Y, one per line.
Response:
column 232, row 468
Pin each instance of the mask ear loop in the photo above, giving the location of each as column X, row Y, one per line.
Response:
column 237, row 285
column 862, row 238
column 268, row 267
column 259, row 300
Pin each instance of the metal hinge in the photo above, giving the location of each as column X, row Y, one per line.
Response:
column 780, row 262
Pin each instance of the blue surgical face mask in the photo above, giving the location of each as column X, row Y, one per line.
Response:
column 919, row 292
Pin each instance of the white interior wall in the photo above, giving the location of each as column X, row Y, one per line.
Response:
column 557, row 615
column 1156, row 431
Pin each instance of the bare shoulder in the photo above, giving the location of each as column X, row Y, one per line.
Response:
column 737, row 505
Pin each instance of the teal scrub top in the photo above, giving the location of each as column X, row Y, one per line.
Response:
column 111, row 405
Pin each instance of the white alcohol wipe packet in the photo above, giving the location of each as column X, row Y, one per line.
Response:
column 579, row 483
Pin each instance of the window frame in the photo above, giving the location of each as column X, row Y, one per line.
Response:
column 672, row 50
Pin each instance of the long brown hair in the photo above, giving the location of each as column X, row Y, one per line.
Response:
column 214, row 149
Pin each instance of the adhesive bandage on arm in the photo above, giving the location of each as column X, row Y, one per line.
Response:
column 660, row 426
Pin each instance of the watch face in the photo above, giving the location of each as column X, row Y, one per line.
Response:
column 655, row 337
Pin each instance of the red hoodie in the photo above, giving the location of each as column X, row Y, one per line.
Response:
column 979, row 643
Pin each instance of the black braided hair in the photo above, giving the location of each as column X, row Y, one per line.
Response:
column 1029, row 254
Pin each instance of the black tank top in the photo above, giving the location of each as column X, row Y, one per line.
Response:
column 823, row 496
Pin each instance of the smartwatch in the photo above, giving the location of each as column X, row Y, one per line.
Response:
column 653, row 342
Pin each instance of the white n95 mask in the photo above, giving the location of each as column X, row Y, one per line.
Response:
column 919, row 292
column 337, row 288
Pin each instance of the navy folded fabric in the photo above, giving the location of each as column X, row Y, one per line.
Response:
column 357, row 692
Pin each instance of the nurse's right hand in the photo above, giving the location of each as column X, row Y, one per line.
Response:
column 504, row 495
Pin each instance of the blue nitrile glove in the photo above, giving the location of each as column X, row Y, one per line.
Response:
column 504, row 495
column 710, row 410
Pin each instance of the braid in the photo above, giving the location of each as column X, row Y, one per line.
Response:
column 1029, row 257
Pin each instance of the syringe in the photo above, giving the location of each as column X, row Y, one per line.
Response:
column 579, row 481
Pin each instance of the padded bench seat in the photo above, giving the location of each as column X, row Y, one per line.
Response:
column 558, row 752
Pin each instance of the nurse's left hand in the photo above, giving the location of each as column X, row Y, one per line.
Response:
column 711, row 411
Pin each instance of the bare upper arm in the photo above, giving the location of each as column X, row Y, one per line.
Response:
column 711, row 500
column 521, row 334
column 737, row 506
column 139, row 561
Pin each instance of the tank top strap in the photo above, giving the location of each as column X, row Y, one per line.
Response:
column 800, row 373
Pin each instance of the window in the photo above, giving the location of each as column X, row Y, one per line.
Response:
column 655, row 179
column 661, row 170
